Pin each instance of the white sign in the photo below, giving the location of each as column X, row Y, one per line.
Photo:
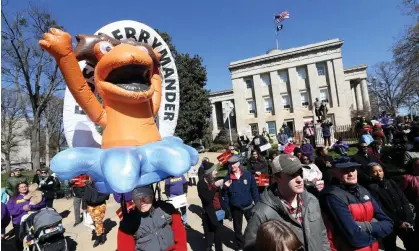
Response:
column 178, row 201
column 265, row 147
column 228, row 107
column 80, row 131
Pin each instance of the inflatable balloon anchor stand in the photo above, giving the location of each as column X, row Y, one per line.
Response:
column 131, row 68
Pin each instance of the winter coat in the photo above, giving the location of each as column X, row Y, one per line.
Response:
column 353, row 218
column 287, row 131
column 92, row 197
column 392, row 200
column 12, row 182
column 242, row 192
column 259, row 141
column 5, row 218
column 206, row 195
column 160, row 229
column 410, row 187
column 326, row 129
column 321, row 164
column 312, row 233
column 307, row 150
column 282, row 138
column 49, row 186
column 366, row 138
column 78, row 183
column 118, row 197
column 15, row 207
column 175, row 186
column 257, row 165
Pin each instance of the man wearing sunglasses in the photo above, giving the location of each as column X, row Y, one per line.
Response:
column 153, row 225
column 287, row 201
column 353, row 218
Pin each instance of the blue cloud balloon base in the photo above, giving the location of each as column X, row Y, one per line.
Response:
column 121, row 169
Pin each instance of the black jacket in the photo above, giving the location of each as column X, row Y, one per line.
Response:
column 206, row 195
column 320, row 162
column 392, row 200
column 49, row 186
column 92, row 197
column 364, row 177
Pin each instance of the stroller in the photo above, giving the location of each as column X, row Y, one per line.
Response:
column 44, row 231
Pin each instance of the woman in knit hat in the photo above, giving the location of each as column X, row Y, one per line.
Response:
column 209, row 193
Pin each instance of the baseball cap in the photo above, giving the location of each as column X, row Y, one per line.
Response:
column 286, row 163
column 142, row 191
column 18, row 168
column 233, row 159
column 344, row 162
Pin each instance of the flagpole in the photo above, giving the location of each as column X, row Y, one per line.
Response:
column 276, row 34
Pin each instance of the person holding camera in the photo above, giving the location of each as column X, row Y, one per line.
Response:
column 395, row 205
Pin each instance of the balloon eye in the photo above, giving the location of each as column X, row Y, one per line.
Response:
column 105, row 47
column 143, row 48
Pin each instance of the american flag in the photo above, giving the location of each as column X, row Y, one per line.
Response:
column 282, row 16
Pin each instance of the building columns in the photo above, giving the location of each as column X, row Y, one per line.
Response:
column 353, row 92
column 214, row 118
column 359, row 97
column 365, row 96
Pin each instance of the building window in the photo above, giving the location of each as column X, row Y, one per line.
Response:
column 301, row 72
column 324, row 95
column 271, row 127
column 268, row 104
column 249, row 82
column 304, row 99
column 321, row 70
column 286, row 101
column 254, row 127
column 252, row 107
column 265, row 79
column 283, row 77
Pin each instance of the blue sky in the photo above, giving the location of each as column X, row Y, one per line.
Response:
column 222, row 31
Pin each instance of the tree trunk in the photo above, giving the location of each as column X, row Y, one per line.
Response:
column 7, row 161
column 46, row 146
column 35, row 141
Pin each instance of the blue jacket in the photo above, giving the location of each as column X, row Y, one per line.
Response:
column 242, row 192
column 367, row 138
column 349, row 212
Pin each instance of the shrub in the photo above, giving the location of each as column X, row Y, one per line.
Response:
column 217, row 148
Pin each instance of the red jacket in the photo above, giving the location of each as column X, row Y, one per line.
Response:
column 410, row 187
column 126, row 242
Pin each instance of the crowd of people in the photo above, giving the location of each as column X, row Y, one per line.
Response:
column 295, row 198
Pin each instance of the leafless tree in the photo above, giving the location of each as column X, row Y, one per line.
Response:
column 23, row 59
column 392, row 86
column 12, row 124
column 54, row 131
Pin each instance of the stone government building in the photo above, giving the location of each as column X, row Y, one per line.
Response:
column 281, row 86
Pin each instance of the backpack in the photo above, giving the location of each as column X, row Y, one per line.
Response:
column 93, row 196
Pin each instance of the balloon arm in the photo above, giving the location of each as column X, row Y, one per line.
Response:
column 156, row 99
column 80, row 89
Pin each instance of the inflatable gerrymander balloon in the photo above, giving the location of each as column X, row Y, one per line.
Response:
column 128, row 80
